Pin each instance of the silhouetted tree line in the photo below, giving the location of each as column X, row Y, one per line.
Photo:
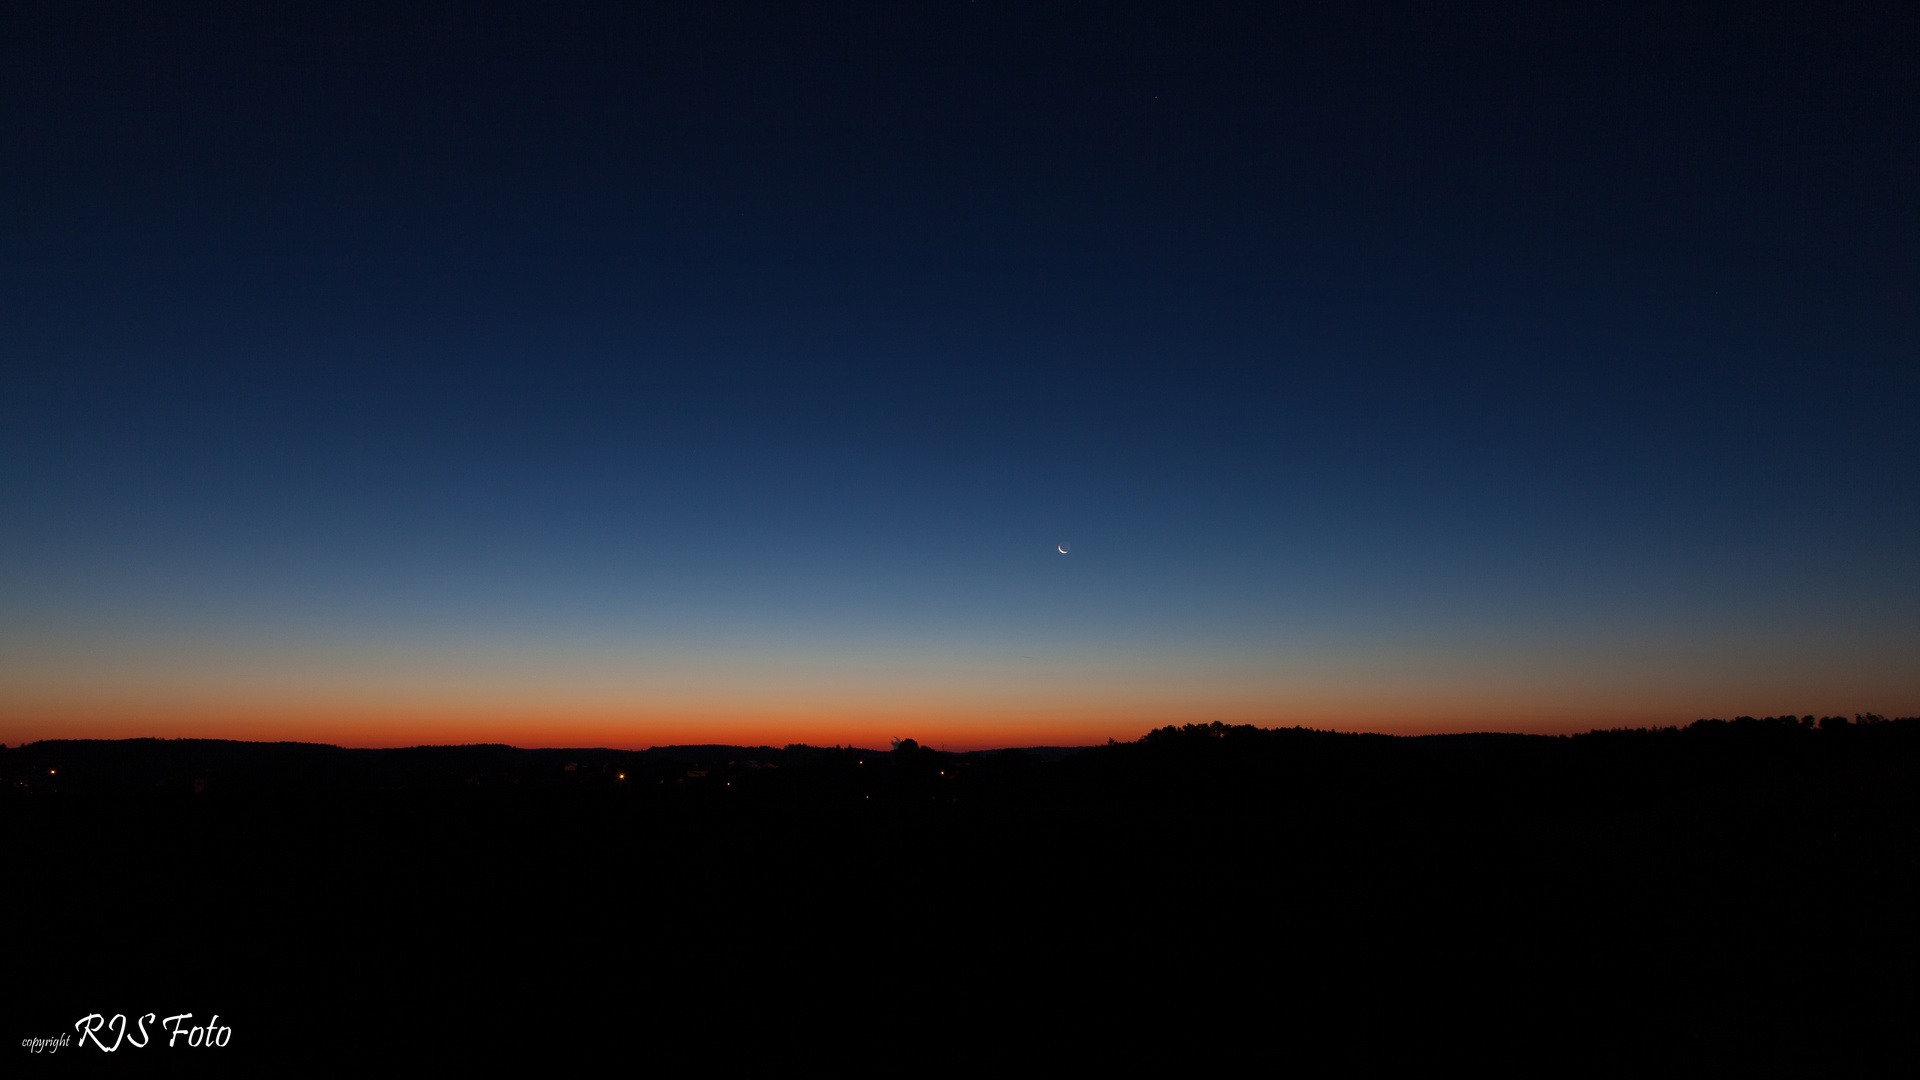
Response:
column 1210, row 761
column 1731, row 895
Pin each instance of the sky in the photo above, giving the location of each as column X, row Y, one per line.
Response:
column 569, row 374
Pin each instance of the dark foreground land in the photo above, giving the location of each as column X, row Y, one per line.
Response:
column 1731, row 898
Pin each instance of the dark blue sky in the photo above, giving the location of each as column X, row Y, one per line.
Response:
column 1383, row 366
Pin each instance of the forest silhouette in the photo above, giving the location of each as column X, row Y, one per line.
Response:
column 1731, row 895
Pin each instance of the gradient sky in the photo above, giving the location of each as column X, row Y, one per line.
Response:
column 572, row 374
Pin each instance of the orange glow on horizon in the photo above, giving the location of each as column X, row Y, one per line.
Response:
column 951, row 728
column 363, row 696
column 416, row 727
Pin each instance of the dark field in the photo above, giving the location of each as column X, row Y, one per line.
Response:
column 1730, row 898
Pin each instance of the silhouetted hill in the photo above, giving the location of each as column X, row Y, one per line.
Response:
column 1730, row 896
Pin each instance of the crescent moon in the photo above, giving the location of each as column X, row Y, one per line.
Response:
column 1063, row 549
